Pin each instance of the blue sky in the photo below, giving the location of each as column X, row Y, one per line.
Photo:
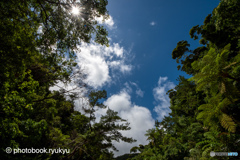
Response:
column 151, row 29
column 137, row 68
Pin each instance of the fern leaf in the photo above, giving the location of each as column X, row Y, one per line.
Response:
column 205, row 107
column 203, row 142
column 225, row 102
column 206, row 152
column 201, row 115
column 228, row 123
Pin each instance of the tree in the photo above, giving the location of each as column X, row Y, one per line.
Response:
column 99, row 136
column 38, row 41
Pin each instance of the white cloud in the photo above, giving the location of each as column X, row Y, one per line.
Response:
column 117, row 50
column 80, row 103
column 108, row 22
column 74, row 87
column 95, row 67
column 139, row 117
column 139, row 92
column 119, row 102
column 101, row 63
column 153, row 23
column 125, row 68
column 121, row 66
column 162, row 100
column 40, row 29
column 127, row 88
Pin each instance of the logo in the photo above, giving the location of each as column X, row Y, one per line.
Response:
column 8, row 150
column 212, row 154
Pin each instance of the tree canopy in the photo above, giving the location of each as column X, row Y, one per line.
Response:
column 38, row 42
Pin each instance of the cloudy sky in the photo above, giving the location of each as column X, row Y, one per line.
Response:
column 137, row 69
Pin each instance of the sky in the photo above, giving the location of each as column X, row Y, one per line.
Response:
column 137, row 68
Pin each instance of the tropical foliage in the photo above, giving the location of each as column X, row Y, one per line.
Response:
column 38, row 41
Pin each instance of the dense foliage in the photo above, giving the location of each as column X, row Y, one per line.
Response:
column 38, row 40
column 205, row 108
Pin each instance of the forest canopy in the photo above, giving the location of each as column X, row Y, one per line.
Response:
column 38, row 40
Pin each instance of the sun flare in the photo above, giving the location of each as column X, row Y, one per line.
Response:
column 75, row 10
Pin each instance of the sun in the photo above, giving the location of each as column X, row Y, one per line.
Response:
column 75, row 10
